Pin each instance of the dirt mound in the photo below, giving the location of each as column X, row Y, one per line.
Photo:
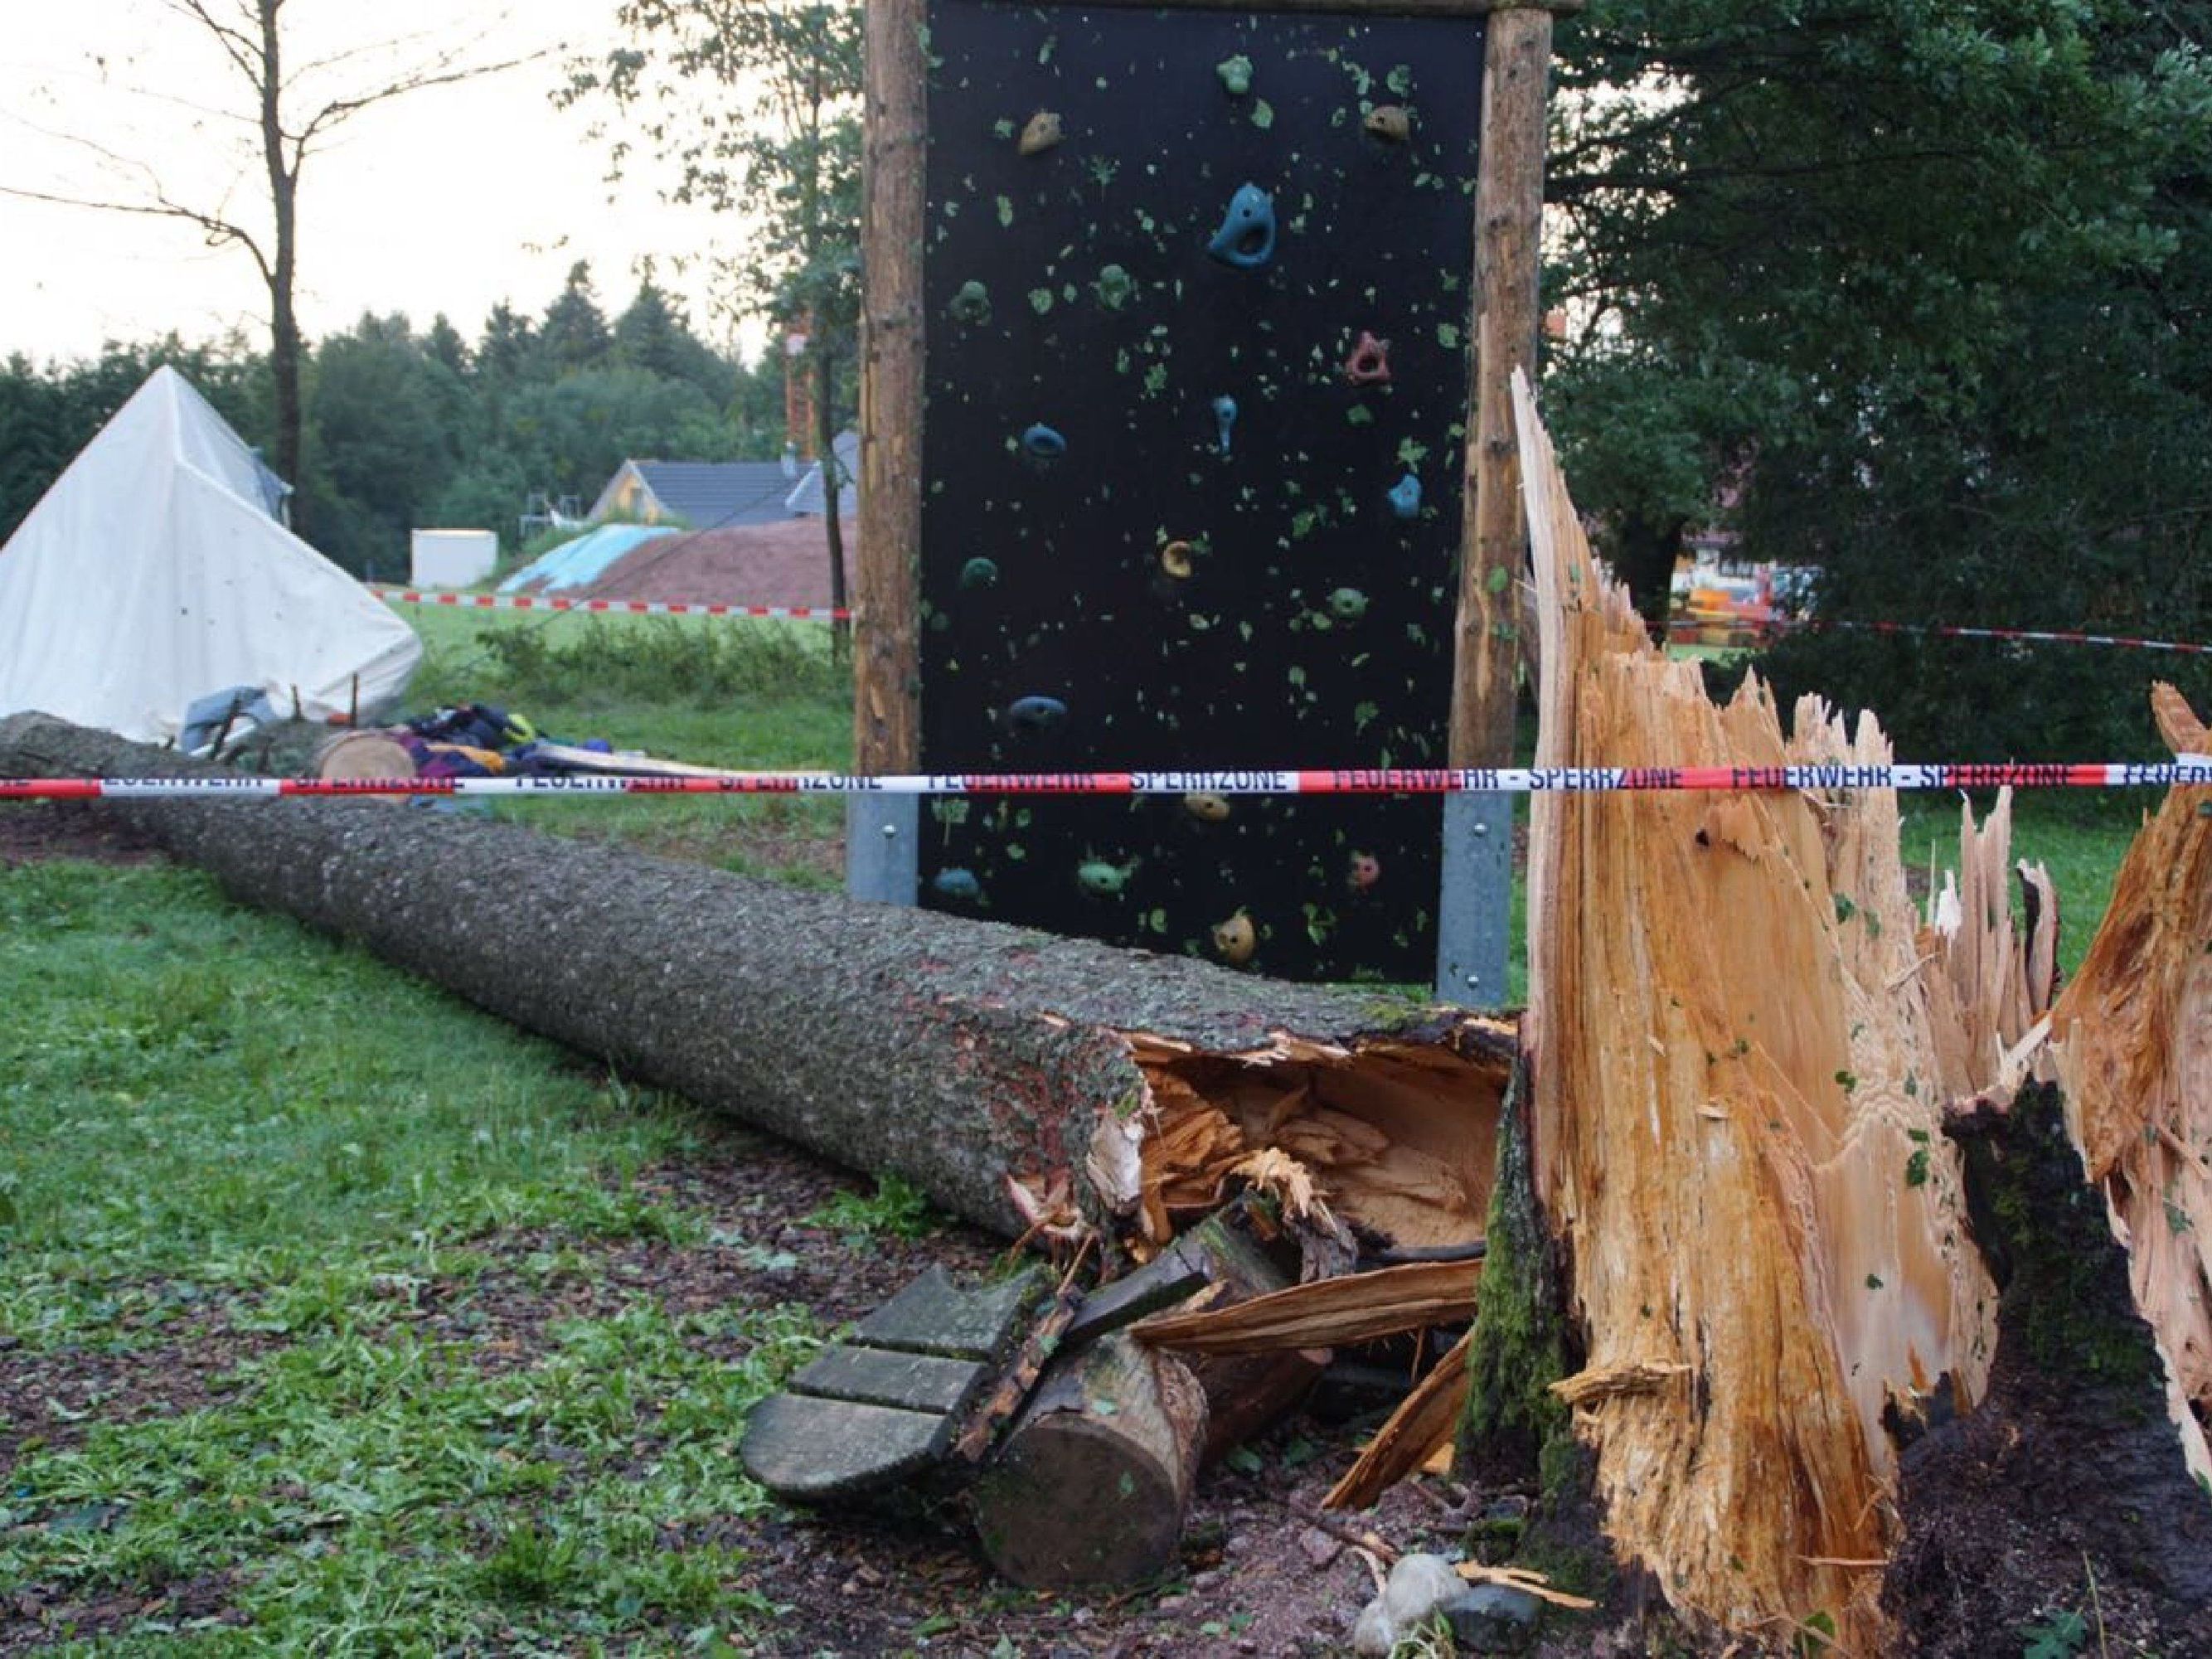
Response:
column 782, row 564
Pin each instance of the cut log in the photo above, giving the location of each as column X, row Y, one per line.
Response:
column 1245, row 1391
column 1092, row 1484
column 1017, row 1079
column 1096, row 1477
column 353, row 755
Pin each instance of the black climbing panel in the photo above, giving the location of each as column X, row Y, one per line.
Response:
column 1182, row 508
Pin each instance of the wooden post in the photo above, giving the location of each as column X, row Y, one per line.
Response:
column 1508, row 206
column 887, row 655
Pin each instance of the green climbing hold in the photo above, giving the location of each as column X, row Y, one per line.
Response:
column 1236, row 75
column 1347, row 605
column 972, row 304
column 1097, row 877
column 979, row 572
column 1115, row 287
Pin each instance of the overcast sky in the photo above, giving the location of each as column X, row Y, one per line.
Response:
column 446, row 199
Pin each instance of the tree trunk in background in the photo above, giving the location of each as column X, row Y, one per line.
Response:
column 996, row 1069
column 825, row 445
column 1644, row 553
column 281, row 271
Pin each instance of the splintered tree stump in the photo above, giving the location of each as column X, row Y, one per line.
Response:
column 1096, row 1477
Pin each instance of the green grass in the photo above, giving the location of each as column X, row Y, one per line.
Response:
column 2080, row 836
column 218, row 1128
column 742, row 693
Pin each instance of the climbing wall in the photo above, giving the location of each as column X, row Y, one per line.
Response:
column 1198, row 295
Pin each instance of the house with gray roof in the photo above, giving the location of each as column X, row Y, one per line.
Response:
column 696, row 494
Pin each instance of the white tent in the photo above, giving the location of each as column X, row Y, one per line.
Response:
column 152, row 574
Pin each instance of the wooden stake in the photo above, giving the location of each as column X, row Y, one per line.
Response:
column 887, row 652
column 1509, row 208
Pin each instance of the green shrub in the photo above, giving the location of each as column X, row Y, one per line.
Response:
column 660, row 659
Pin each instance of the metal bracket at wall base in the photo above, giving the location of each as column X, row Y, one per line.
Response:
column 1474, row 908
column 883, row 846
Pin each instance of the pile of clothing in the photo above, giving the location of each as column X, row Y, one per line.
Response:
column 482, row 741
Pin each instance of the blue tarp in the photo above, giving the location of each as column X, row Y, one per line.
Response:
column 574, row 564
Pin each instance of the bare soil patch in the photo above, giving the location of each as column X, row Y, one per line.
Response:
column 786, row 564
column 34, row 831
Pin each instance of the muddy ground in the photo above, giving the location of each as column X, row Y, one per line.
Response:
column 1258, row 1575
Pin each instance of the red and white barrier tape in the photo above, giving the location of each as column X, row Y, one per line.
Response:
column 2194, row 769
column 1758, row 627
column 610, row 607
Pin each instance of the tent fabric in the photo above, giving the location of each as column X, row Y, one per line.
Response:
column 152, row 573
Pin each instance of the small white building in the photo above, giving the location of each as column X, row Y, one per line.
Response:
column 452, row 558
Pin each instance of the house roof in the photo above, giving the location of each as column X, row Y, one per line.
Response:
column 806, row 499
column 718, row 495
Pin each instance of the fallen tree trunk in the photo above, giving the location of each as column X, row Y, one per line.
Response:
column 1019, row 1080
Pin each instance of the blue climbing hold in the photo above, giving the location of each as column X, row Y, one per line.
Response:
column 1405, row 497
column 955, row 882
column 1041, row 443
column 1035, row 713
column 1247, row 237
column 1225, row 418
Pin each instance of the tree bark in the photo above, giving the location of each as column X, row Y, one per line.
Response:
column 281, row 272
column 999, row 1070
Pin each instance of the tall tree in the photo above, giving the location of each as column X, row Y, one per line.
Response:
column 47, row 414
column 282, row 112
column 389, row 425
column 654, row 334
column 790, row 158
column 574, row 335
column 1928, row 283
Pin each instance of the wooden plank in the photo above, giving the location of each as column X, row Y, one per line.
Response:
column 1424, row 1422
column 818, row 1450
column 1169, row 1278
column 1353, row 1308
column 910, row 1382
column 886, row 656
column 933, row 1316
